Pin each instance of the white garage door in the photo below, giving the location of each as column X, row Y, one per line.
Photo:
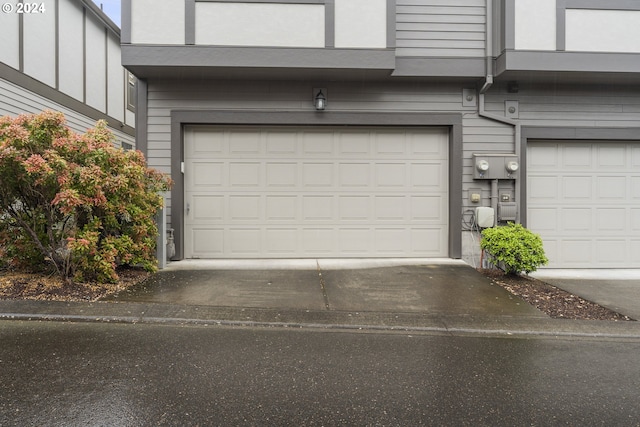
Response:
column 584, row 201
column 315, row 192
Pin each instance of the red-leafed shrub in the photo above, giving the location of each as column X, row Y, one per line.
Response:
column 74, row 203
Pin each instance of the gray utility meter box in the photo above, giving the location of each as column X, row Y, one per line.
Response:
column 495, row 166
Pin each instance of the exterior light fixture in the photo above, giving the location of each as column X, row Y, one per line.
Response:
column 512, row 166
column 320, row 99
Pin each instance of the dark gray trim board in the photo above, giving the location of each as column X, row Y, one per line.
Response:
column 561, row 25
column 602, row 5
column 391, row 24
column 142, row 101
column 579, row 62
column 39, row 88
column 565, row 134
column 330, row 24
column 438, row 67
column 125, row 13
column 180, row 118
column 190, row 22
column 211, row 56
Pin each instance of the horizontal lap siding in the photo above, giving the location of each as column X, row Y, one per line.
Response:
column 440, row 28
column 16, row 100
column 574, row 106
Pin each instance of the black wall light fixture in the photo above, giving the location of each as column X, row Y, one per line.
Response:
column 320, row 98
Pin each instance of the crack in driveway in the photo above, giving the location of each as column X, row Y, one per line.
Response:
column 323, row 288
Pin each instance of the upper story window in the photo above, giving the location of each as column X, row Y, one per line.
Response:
column 131, row 92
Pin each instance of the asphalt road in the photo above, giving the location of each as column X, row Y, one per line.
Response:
column 100, row 374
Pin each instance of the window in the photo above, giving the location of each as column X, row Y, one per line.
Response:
column 131, row 92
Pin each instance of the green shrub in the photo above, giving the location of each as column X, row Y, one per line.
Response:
column 513, row 247
column 74, row 203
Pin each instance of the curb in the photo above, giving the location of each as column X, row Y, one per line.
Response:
column 418, row 323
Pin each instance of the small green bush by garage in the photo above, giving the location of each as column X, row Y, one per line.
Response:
column 513, row 248
column 74, row 204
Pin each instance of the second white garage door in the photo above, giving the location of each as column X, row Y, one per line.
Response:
column 315, row 192
column 584, row 200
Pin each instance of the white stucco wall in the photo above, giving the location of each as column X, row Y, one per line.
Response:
column 535, row 25
column 157, row 25
column 260, row 24
column 361, row 24
column 603, row 30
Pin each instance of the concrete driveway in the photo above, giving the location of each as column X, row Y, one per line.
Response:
column 443, row 287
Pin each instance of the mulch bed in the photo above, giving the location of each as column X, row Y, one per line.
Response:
column 553, row 301
column 36, row 286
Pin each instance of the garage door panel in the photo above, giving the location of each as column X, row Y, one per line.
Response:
column 576, row 157
column 543, row 158
column 610, row 252
column 594, row 221
column 390, row 208
column 318, row 208
column 244, row 174
column 355, row 241
column 542, row 187
column 428, row 209
column 354, row 208
column 318, row 175
column 635, row 186
column 208, row 241
column 390, row 241
column 635, row 220
column 206, row 174
column 577, row 188
column 207, row 208
column 244, row 241
column 612, row 187
column 611, row 157
column 305, row 192
column 614, row 221
column 421, row 144
column 318, row 241
column 391, row 175
column 430, row 241
column 281, row 242
column 282, row 208
column 543, row 219
column 281, row 143
column 354, row 175
column 244, row 208
column 576, row 251
column 577, row 220
column 317, row 143
column 281, row 174
column 428, row 175
column 243, row 143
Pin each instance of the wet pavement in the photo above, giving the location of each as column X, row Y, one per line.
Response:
column 100, row 374
column 453, row 288
column 441, row 296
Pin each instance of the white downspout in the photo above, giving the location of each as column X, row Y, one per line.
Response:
column 488, row 82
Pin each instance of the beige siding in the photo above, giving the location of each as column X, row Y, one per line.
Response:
column 440, row 28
